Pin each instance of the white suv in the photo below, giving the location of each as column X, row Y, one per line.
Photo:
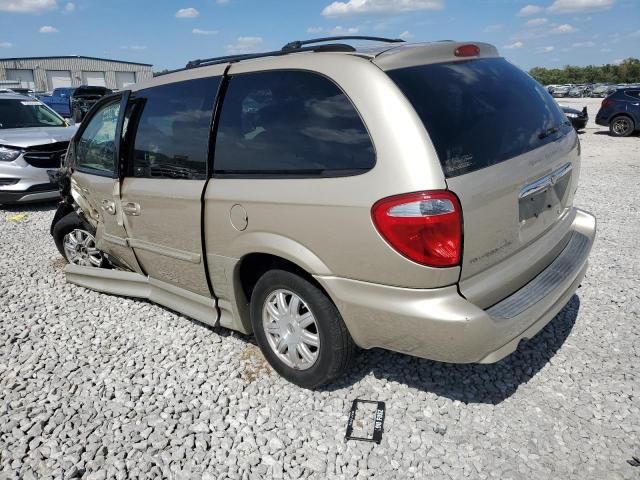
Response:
column 33, row 141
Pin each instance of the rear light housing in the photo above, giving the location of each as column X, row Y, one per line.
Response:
column 607, row 102
column 467, row 51
column 425, row 227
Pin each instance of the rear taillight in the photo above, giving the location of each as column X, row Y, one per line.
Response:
column 607, row 102
column 425, row 227
column 467, row 51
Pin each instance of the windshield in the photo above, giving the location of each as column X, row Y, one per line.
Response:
column 18, row 113
column 480, row 112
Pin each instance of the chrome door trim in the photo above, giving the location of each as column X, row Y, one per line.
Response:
column 545, row 182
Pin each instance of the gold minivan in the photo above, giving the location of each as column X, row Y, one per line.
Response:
column 416, row 198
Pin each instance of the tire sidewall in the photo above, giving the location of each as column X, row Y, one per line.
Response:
column 626, row 133
column 324, row 313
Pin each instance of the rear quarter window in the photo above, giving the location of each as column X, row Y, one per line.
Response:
column 480, row 112
column 290, row 123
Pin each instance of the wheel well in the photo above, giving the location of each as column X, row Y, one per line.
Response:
column 254, row 265
column 623, row 115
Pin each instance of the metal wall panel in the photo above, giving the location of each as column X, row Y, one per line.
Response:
column 75, row 65
column 24, row 76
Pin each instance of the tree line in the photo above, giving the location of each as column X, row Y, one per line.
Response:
column 626, row 72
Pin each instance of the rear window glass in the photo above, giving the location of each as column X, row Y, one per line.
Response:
column 480, row 112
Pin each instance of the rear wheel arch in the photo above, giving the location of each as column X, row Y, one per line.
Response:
column 254, row 265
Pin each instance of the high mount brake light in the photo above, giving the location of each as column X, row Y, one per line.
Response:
column 467, row 51
column 425, row 227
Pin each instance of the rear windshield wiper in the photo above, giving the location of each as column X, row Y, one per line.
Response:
column 546, row 133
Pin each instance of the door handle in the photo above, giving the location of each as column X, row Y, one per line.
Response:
column 131, row 209
column 108, row 206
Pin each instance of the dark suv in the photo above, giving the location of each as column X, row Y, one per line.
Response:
column 620, row 111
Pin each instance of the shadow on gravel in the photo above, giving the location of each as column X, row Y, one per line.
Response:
column 470, row 383
column 607, row 134
column 30, row 207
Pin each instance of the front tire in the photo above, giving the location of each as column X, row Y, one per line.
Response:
column 621, row 126
column 299, row 329
column 75, row 240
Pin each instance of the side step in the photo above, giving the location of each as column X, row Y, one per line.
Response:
column 131, row 284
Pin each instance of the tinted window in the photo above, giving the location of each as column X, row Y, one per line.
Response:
column 172, row 138
column 480, row 112
column 633, row 93
column 290, row 122
column 96, row 150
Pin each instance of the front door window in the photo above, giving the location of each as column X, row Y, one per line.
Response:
column 96, row 149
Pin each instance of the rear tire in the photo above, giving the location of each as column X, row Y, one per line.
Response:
column 621, row 126
column 287, row 311
column 75, row 240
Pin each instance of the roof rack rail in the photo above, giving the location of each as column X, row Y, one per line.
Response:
column 297, row 44
column 331, row 47
column 292, row 47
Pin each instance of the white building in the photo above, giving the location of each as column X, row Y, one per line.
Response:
column 47, row 73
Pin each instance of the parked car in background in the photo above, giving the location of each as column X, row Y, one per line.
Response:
column 580, row 91
column 24, row 91
column 620, row 111
column 304, row 145
column 59, row 101
column 84, row 98
column 33, row 142
column 561, row 91
column 601, row 90
column 578, row 118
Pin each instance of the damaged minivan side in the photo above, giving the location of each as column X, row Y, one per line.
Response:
column 337, row 198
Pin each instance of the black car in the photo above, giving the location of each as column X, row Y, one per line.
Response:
column 83, row 98
column 578, row 118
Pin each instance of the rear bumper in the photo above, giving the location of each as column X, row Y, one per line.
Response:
column 440, row 324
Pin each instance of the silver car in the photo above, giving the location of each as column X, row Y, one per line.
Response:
column 33, row 141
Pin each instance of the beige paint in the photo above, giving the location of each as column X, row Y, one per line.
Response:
column 324, row 226
column 165, row 236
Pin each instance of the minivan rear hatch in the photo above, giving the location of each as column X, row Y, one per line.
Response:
column 510, row 154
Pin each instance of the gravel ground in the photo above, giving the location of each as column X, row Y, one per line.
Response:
column 98, row 386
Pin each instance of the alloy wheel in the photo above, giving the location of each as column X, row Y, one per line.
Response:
column 80, row 249
column 622, row 126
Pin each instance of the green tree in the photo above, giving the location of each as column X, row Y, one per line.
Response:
column 627, row 72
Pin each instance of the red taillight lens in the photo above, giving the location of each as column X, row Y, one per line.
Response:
column 467, row 51
column 425, row 227
column 607, row 102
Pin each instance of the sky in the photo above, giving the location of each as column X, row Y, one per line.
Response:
column 167, row 33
